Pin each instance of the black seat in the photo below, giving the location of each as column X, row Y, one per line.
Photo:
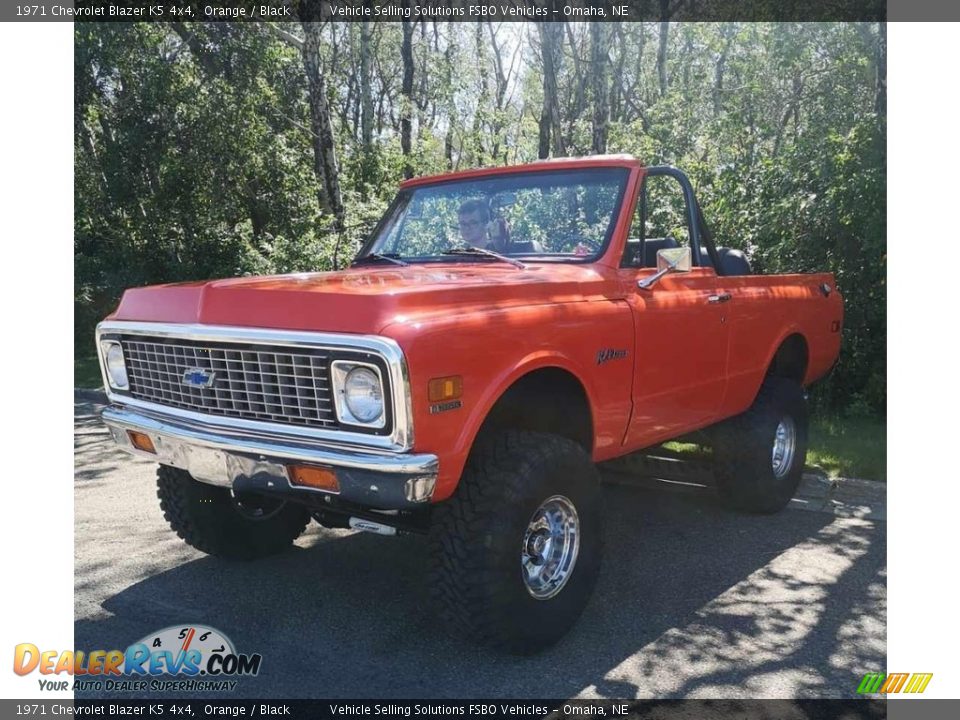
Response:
column 652, row 245
column 732, row 262
column 528, row 247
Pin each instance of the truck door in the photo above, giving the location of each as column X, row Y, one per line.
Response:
column 681, row 330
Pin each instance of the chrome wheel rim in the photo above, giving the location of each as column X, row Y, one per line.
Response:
column 551, row 543
column 784, row 447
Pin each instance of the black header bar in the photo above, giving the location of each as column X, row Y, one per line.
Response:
column 452, row 10
column 489, row 709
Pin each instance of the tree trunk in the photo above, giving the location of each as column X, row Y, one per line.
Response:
column 579, row 106
column 601, row 104
column 641, row 48
column 727, row 32
column 324, row 149
column 368, row 158
column 366, row 97
column 483, row 101
column 686, row 58
column 880, row 101
column 546, row 54
column 501, row 80
column 406, row 92
column 550, row 135
column 792, row 111
column 662, row 57
column 616, row 83
column 450, row 99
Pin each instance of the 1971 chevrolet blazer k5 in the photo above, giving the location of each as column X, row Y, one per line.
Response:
column 500, row 332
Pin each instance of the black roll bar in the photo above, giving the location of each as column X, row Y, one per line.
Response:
column 695, row 222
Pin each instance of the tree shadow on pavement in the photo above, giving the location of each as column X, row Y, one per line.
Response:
column 692, row 601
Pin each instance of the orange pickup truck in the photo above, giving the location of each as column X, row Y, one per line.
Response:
column 500, row 332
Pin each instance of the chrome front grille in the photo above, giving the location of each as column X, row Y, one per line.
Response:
column 255, row 382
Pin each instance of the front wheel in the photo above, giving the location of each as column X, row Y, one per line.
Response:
column 215, row 521
column 516, row 551
column 760, row 454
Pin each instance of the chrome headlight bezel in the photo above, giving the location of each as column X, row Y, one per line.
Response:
column 340, row 371
column 114, row 365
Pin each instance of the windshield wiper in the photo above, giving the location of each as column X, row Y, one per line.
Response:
column 472, row 250
column 390, row 257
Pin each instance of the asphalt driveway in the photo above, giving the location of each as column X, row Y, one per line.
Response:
column 693, row 601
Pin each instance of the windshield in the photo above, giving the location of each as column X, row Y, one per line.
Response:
column 562, row 215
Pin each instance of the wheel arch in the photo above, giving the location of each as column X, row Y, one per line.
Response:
column 788, row 357
column 549, row 398
column 501, row 407
column 791, row 359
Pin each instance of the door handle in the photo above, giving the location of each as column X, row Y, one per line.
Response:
column 721, row 298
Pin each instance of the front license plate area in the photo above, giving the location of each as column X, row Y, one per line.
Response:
column 216, row 467
column 207, row 464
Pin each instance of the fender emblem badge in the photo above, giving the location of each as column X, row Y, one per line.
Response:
column 608, row 354
column 445, row 406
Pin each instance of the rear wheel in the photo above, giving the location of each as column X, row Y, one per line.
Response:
column 516, row 551
column 760, row 454
column 217, row 522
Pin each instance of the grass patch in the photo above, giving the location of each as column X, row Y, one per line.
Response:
column 840, row 447
column 849, row 447
column 86, row 372
column 690, row 451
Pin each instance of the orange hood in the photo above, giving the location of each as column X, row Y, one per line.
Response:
column 361, row 300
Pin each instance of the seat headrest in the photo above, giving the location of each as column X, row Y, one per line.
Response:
column 733, row 262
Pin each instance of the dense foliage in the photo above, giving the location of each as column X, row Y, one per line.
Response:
column 198, row 146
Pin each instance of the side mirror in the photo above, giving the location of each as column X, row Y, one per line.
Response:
column 668, row 260
column 675, row 259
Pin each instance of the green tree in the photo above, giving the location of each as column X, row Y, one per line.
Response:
column 203, row 149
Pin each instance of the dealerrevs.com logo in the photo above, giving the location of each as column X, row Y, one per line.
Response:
column 178, row 658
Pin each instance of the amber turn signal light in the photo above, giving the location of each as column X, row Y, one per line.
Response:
column 314, row 477
column 445, row 388
column 141, row 441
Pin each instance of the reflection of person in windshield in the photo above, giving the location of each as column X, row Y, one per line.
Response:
column 474, row 217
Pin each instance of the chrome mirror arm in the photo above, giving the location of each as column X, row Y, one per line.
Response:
column 649, row 282
column 668, row 260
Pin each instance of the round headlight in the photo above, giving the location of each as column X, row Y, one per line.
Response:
column 116, row 368
column 363, row 394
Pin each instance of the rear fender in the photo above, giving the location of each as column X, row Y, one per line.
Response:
column 742, row 389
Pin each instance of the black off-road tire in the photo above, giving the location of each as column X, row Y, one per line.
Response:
column 476, row 540
column 207, row 518
column 743, row 450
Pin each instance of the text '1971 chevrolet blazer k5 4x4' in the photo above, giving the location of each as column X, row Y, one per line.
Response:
column 500, row 332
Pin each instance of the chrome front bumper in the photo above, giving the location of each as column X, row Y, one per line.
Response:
column 257, row 463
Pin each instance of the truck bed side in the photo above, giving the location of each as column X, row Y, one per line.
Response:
column 765, row 311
